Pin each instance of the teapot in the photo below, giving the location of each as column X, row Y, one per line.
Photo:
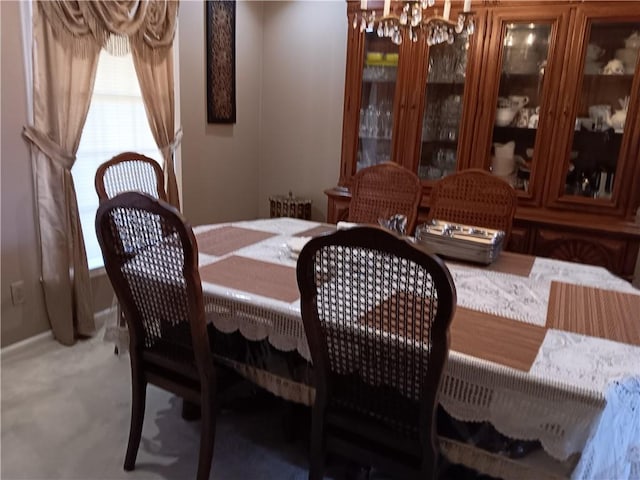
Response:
column 508, row 108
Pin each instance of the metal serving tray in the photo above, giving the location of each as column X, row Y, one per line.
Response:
column 460, row 242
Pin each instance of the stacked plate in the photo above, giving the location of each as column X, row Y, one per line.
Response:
column 460, row 242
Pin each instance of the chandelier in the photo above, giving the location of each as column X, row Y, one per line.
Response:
column 416, row 18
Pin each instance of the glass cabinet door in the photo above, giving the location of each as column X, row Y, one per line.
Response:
column 443, row 108
column 520, row 97
column 608, row 63
column 377, row 101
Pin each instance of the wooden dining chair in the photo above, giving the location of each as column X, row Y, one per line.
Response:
column 127, row 172
column 151, row 257
column 384, row 190
column 376, row 314
column 474, row 197
column 130, row 171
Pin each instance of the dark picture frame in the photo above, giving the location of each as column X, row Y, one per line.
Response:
column 221, row 61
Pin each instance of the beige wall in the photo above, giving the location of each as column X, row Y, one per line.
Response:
column 220, row 162
column 304, row 52
column 290, row 60
column 290, row 67
column 20, row 251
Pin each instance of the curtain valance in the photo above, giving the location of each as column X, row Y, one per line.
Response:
column 147, row 26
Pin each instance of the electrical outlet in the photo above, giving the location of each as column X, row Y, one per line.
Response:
column 17, row 292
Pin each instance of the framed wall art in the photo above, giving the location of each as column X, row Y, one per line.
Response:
column 221, row 61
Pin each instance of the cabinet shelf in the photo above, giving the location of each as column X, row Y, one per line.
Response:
column 444, row 83
column 379, row 81
column 367, row 137
column 611, row 78
column 440, row 143
column 517, row 129
column 528, row 76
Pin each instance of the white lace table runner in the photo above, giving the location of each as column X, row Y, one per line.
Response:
column 556, row 402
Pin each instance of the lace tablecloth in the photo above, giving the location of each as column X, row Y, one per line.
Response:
column 557, row 402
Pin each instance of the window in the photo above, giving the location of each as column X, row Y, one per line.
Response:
column 116, row 123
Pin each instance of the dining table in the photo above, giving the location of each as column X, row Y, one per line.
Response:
column 537, row 345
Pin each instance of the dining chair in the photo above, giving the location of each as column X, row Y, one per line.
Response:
column 151, row 257
column 130, row 171
column 376, row 314
column 474, row 197
column 126, row 172
column 384, row 190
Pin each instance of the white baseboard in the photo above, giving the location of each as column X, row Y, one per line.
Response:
column 26, row 344
column 42, row 338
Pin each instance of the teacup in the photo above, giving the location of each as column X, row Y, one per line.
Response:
column 533, row 120
column 519, row 100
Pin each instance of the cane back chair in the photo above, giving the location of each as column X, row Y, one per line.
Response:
column 151, row 257
column 376, row 313
column 130, row 171
column 384, row 190
column 474, row 197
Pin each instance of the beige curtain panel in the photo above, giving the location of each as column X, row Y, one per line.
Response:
column 67, row 38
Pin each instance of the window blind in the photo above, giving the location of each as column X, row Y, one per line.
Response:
column 116, row 123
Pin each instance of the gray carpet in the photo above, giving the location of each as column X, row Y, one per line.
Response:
column 65, row 415
column 66, row 410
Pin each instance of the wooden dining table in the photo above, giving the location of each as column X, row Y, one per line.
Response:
column 535, row 343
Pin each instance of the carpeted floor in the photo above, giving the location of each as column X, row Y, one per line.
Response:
column 65, row 415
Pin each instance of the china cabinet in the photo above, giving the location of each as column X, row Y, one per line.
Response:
column 545, row 94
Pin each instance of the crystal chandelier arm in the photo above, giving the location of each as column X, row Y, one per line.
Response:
column 416, row 17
